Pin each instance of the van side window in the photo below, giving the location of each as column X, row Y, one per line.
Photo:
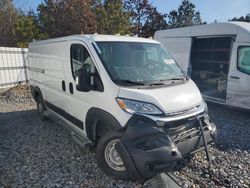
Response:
column 80, row 57
column 244, row 59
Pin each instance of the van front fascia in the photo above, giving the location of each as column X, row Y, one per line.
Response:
column 195, row 111
column 147, row 149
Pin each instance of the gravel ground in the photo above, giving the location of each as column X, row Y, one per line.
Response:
column 35, row 153
column 230, row 155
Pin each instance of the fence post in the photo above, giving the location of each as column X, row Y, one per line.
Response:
column 25, row 66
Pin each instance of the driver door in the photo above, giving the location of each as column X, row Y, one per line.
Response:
column 79, row 101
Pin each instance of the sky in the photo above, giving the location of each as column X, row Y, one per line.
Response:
column 211, row 10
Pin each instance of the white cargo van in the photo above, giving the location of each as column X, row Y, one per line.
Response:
column 216, row 56
column 126, row 95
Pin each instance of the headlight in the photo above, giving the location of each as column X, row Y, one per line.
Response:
column 205, row 104
column 132, row 106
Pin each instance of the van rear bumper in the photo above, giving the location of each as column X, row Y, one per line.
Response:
column 147, row 150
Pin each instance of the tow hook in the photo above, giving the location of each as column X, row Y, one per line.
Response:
column 200, row 119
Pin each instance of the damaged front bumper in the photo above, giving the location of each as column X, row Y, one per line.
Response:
column 148, row 148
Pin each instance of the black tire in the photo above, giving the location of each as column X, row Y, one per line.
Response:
column 104, row 141
column 41, row 108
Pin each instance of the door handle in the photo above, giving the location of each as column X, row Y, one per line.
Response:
column 235, row 77
column 63, row 86
column 71, row 88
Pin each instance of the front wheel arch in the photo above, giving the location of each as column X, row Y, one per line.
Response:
column 98, row 122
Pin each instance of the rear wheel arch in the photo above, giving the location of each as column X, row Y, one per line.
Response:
column 36, row 92
column 98, row 122
column 37, row 96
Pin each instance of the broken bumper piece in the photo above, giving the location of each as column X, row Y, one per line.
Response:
column 147, row 150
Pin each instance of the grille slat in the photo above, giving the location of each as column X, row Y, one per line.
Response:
column 183, row 130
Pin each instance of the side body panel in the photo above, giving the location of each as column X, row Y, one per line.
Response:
column 36, row 70
column 51, row 57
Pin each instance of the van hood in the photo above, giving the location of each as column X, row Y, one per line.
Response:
column 169, row 99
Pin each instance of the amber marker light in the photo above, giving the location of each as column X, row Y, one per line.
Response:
column 121, row 104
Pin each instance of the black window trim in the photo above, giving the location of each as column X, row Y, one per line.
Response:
column 91, row 56
column 237, row 65
column 89, row 51
column 71, row 57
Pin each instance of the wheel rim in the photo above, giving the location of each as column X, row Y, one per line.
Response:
column 112, row 157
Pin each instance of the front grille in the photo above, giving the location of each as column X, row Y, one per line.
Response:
column 182, row 111
column 183, row 130
column 176, row 127
column 187, row 135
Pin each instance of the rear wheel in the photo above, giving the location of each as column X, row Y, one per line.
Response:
column 108, row 158
column 41, row 108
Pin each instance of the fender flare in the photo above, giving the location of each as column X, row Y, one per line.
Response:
column 94, row 117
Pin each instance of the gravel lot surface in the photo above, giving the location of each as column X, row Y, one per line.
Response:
column 35, row 153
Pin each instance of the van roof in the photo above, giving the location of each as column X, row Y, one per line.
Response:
column 96, row 37
column 122, row 38
column 241, row 29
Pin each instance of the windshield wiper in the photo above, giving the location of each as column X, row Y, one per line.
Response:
column 175, row 78
column 156, row 83
column 163, row 81
column 129, row 82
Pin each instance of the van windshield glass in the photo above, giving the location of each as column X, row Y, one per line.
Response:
column 137, row 63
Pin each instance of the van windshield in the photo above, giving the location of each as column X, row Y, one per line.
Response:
column 137, row 63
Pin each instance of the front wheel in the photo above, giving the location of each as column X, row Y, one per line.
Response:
column 108, row 158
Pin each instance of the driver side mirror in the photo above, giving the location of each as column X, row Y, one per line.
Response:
column 84, row 80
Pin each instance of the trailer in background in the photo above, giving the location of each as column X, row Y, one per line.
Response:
column 216, row 57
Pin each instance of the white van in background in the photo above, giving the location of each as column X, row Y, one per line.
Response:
column 216, row 56
column 126, row 95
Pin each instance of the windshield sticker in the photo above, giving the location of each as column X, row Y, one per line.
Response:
column 169, row 61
